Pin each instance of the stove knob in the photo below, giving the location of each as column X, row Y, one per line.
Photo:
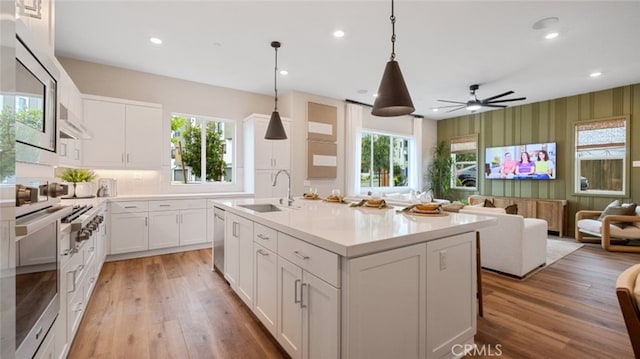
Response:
column 100, row 219
column 92, row 226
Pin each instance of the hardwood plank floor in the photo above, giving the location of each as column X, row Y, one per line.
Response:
column 173, row 306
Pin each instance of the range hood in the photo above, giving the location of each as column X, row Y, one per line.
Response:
column 70, row 126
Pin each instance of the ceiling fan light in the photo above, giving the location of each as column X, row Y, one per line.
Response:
column 473, row 107
column 393, row 96
column 275, row 129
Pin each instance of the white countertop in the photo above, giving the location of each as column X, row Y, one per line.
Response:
column 355, row 231
column 96, row 201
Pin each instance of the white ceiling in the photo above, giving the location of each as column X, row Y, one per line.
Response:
column 442, row 47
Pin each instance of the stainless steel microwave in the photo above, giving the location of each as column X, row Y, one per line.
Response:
column 35, row 106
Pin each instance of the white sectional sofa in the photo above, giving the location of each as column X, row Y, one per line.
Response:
column 515, row 245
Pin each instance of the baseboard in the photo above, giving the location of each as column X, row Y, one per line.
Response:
column 155, row 252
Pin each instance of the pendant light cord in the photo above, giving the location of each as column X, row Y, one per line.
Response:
column 275, row 80
column 393, row 33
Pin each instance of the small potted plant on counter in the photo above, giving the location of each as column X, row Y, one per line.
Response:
column 81, row 179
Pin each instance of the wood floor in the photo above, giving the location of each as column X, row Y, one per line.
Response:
column 173, row 306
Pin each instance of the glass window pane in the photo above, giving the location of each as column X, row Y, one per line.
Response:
column 365, row 161
column 384, row 161
column 400, row 161
column 381, row 161
column 602, row 175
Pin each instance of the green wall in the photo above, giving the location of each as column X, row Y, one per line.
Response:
column 550, row 121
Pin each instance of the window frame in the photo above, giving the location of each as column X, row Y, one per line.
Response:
column 204, row 184
column 471, row 138
column 411, row 144
column 625, row 160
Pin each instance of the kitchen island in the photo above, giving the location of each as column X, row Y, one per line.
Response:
column 329, row 281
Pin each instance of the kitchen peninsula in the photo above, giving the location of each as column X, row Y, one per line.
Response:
column 330, row 280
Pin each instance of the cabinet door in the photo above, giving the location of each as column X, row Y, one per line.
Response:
column 263, row 148
column 387, row 300
column 262, row 184
column 282, row 150
column 105, row 120
column 265, row 294
column 143, row 135
column 164, row 229
column 320, row 318
column 289, row 321
column 245, row 261
column 129, row 232
column 193, row 226
column 231, row 249
column 451, row 293
column 47, row 348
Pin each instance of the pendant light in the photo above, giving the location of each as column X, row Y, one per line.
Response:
column 393, row 97
column 275, row 130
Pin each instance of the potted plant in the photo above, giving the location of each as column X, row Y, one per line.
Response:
column 81, row 179
column 439, row 172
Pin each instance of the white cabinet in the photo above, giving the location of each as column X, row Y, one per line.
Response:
column 263, row 158
column 70, row 152
column 125, row 134
column 47, row 348
column 265, row 290
column 238, row 256
column 164, row 229
column 193, row 226
column 308, row 313
column 129, row 232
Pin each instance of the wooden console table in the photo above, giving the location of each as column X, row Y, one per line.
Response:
column 554, row 211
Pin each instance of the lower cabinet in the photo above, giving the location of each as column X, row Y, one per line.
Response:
column 265, row 295
column 129, row 232
column 47, row 348
column 164, row 229
column 193, row 226
column 238, row 256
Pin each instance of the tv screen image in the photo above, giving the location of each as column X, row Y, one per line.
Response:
column 534, row 161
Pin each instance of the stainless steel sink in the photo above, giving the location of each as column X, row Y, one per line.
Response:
column 262, row 207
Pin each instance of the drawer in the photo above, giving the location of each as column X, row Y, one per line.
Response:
column 317, row 261
column 89, row 249
column 265, row 236
column 75, row 307
column 129, row 207
column 177, row 204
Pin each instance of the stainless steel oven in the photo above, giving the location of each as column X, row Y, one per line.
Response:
column 38, row 218
column 35, row 106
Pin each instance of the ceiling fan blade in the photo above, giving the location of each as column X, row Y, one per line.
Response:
column 508, row 100
column 463, row 103
column 448, row 106
column 456, row 109
column 496, row 96
column 496, row 106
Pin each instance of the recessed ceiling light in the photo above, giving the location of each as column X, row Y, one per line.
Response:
column 435, row 109
column 338, row 33
column 551, row 35
column 375, row 95
column 155, row 40
column 284, row 72
column 595, row 74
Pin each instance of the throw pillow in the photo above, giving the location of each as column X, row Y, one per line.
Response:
column 489, row 203
column 615, row 203
column 511, row 209
column 624, row 210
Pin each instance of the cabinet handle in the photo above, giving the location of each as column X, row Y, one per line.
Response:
column 300, row 255
column 295, row 291
column 130, row 206
column 146, row 221
column 39, row 333
column 236, row 230
column 165, row 205
column 263, row 252
column 177, row 219
column 78, row 308
column 302, row 305
column 263, row 237
column 127, row 158
column 63, row 149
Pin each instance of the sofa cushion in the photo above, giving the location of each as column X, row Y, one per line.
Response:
column 615, row 203
column 593, row 227
column 511, row 209
column 482, row 210
column 627, row 209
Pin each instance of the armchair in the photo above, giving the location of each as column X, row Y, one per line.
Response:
column 608, row 232
column 628, row 292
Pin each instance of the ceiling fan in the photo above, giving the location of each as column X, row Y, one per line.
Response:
column 474, row 104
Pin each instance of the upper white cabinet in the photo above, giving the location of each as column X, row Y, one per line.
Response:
column 125, row 134
column 38, row 18
column 262, row 158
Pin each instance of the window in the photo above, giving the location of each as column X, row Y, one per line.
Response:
column 601, row 156
column 384, row 161
column 201, row 149
column 464, row 162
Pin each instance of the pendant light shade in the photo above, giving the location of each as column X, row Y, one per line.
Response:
column 275, row 130
column 393, row 96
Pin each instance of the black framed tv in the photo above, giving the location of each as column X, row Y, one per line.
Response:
column 531, row 161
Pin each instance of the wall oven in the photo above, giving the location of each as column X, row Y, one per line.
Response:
column 37, row 262
column 35, row 107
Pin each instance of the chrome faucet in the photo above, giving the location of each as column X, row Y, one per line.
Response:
column 275, row 179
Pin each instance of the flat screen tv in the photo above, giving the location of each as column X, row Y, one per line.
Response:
column 533, row 161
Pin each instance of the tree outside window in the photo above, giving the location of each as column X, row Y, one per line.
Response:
column 201, row 150
column 384, row 161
